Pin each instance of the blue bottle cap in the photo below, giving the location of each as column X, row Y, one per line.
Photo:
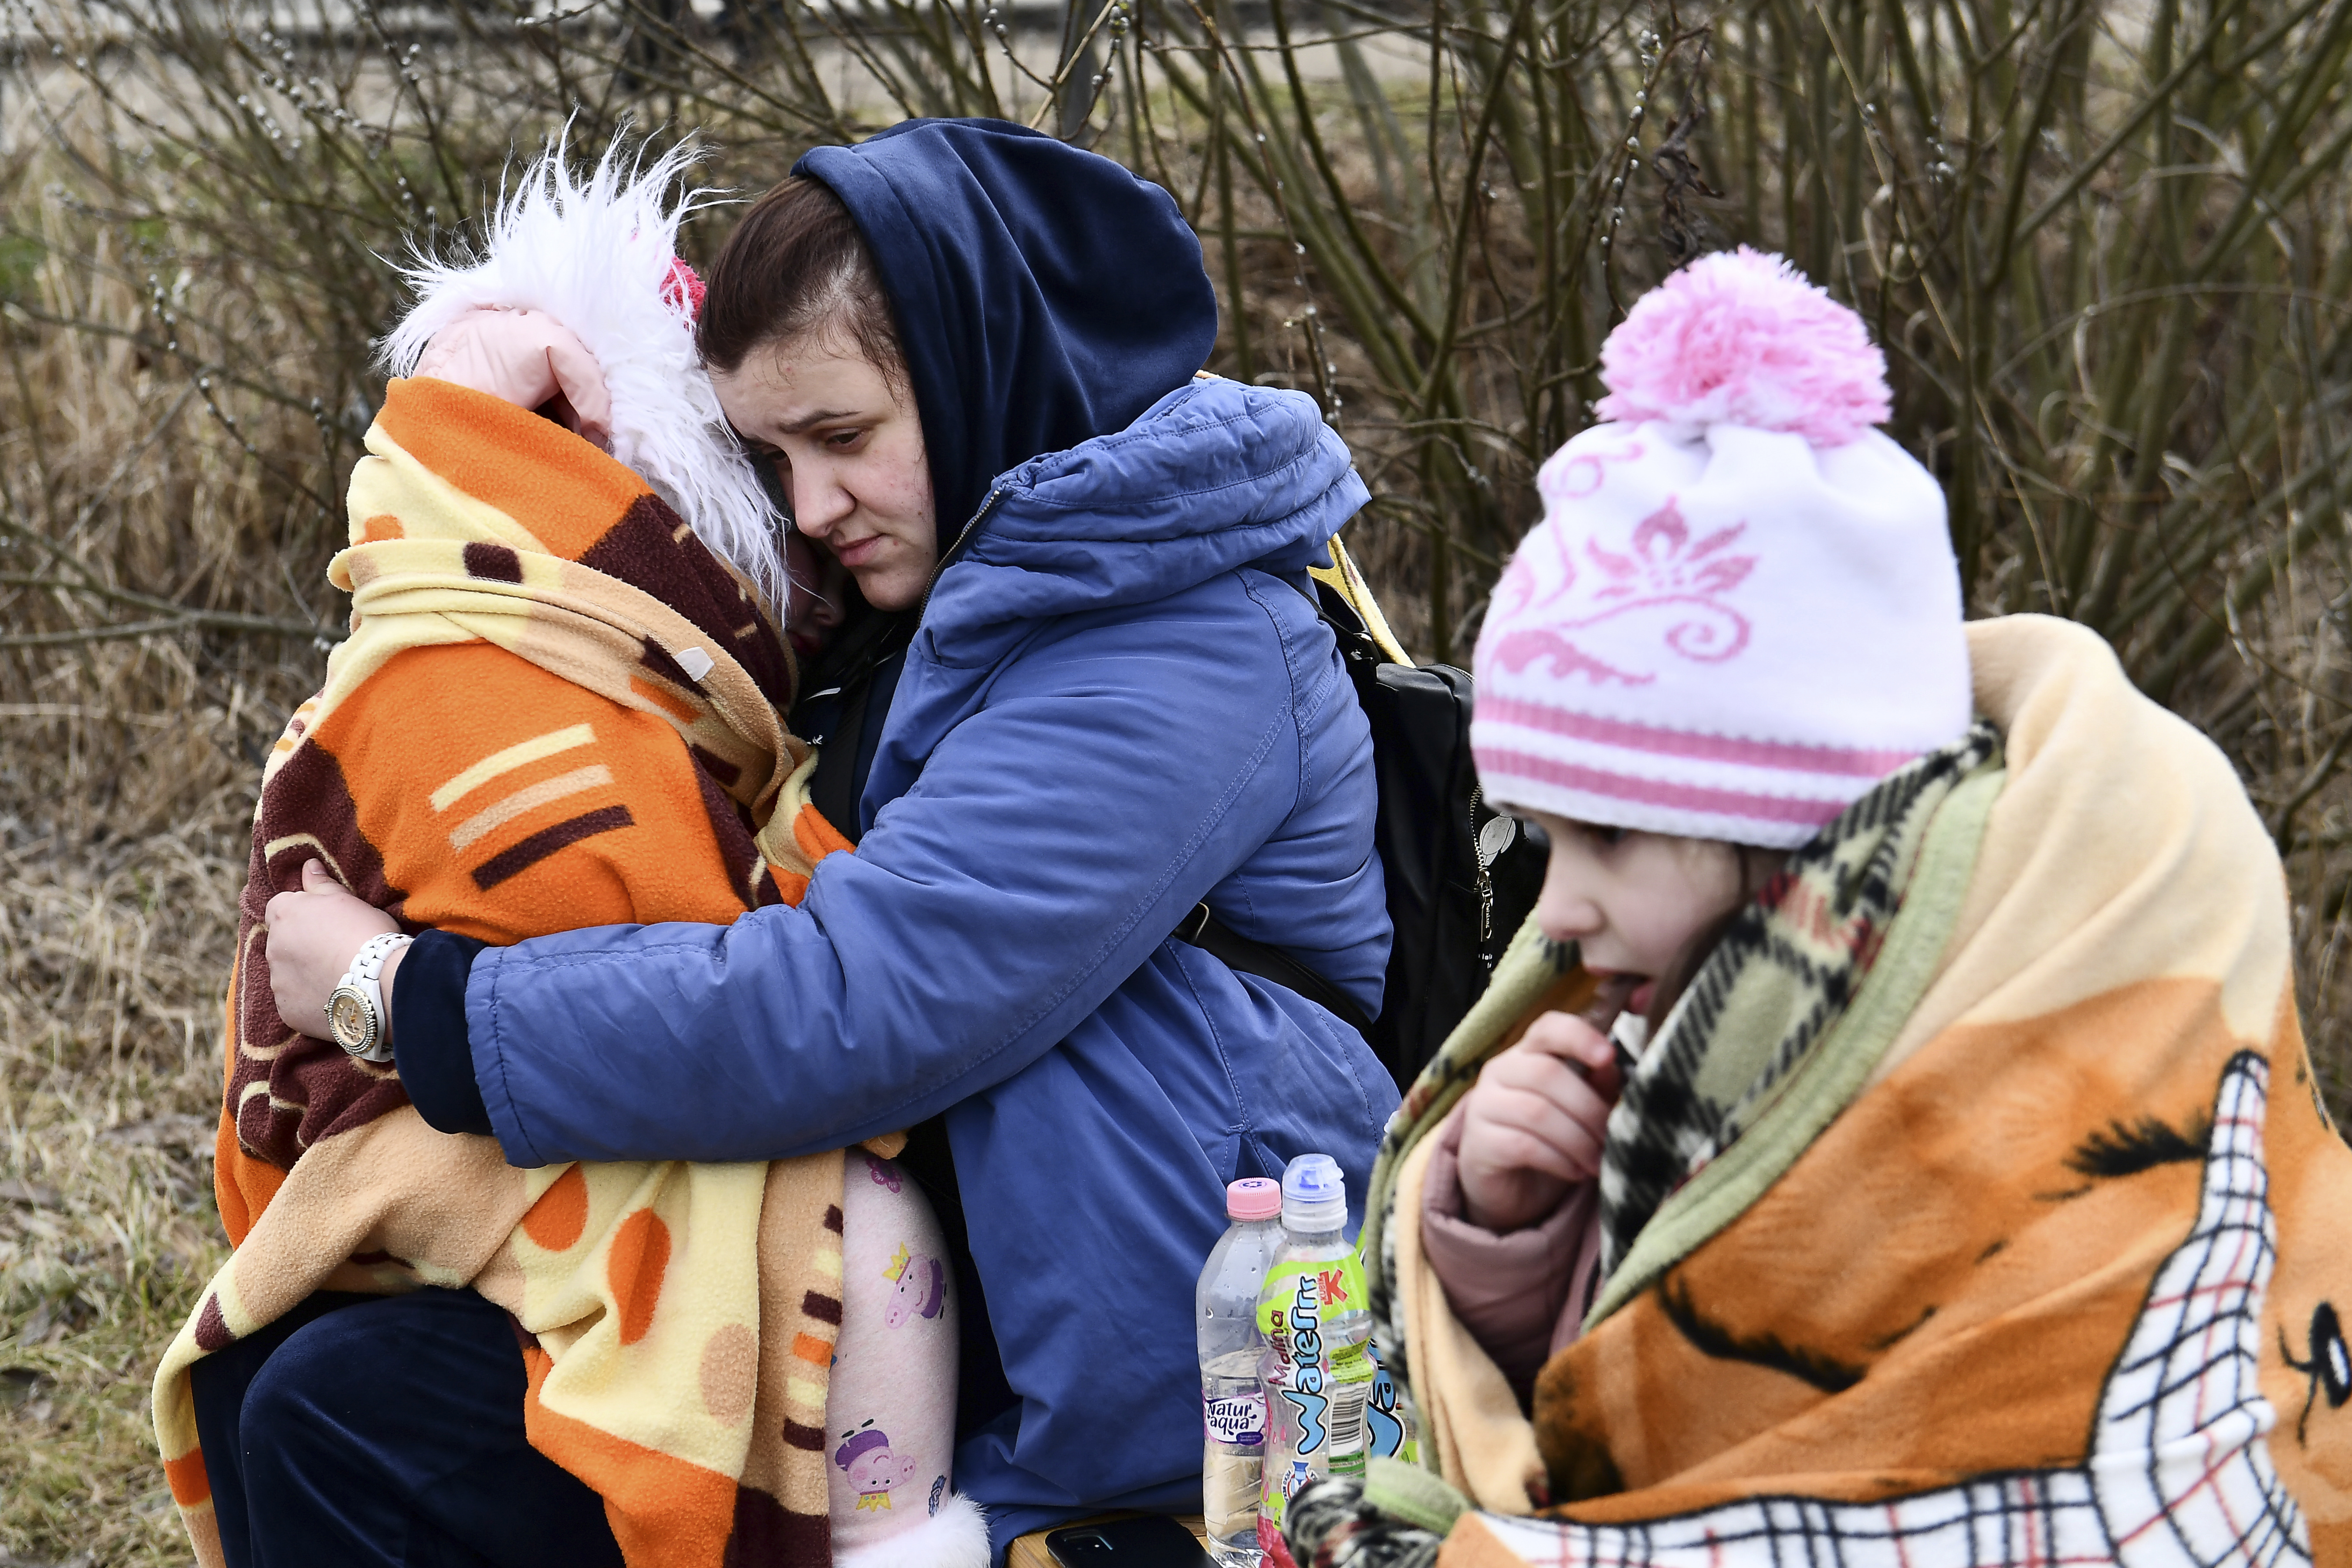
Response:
column 1314, row 1195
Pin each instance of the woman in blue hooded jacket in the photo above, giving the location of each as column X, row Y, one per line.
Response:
column 1089, row 694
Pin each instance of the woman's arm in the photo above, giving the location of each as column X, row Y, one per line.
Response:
column 1115, row 772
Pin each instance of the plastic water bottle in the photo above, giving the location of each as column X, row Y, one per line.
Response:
column 1317, row 1328
column 1232, row 1399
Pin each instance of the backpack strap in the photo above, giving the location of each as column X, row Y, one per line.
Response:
column 1342, row 578
column 1243, row 956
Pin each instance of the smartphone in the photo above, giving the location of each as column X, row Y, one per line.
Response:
column 1149, row 1542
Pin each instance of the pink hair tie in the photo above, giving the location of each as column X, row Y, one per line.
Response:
column 683, row 288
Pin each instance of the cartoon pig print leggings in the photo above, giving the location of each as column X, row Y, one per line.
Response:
column 891, row 1410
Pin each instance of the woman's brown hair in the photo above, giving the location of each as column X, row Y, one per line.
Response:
column 796, row 263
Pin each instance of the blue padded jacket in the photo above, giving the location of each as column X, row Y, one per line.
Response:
column 1118, row 701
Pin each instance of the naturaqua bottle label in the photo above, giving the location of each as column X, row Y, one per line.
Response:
column 1236, row 1418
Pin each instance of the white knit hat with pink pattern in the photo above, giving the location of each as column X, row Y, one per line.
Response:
column 1740, row 610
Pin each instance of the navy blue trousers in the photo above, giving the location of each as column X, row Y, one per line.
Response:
column 373, row 1430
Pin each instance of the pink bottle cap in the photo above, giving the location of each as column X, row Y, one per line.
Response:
column 1252, row 1197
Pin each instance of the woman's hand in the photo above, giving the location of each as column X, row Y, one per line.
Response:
column 313, row 936
column 1532, row 1125
column 528, row 359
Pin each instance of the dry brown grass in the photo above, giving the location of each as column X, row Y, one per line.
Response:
column 107, row 1095
column 123, row 808
column 191, row 240
column 125, row 803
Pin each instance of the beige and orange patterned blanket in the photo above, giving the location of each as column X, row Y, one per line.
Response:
column 2041, row 1255
column 556, row 709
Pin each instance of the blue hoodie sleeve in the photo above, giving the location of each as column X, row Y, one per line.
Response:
column 1109, row 776
column 428, row 1031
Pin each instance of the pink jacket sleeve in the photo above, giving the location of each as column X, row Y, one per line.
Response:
column 1522, row 1294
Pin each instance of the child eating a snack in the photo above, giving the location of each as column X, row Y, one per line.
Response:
column 1924, row 1166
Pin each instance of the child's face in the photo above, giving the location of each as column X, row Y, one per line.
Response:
column 815, row 607
column 1634, row 901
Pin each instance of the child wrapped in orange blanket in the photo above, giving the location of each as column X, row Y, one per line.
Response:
column 1960, row 1193
column 559, row 707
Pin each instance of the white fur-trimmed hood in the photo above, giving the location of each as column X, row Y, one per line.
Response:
column 595, row 251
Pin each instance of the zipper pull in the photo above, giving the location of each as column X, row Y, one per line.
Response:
column 1478, row 857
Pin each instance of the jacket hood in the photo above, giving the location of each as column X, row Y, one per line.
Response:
column 1214, row 476
column 1043, row 295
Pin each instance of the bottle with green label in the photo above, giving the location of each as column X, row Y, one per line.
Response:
column 1319, row 1328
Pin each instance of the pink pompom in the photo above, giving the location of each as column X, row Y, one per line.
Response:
column 683, row 288
column 1740, row 338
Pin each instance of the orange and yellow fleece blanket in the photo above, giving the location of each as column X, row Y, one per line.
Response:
column 556, row 709
column 2038, row 1254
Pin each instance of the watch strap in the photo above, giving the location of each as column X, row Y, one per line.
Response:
column 363, row 981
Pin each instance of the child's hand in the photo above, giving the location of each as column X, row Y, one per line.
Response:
column 1532, row 1124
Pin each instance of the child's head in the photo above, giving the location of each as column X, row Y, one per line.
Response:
column 631, row 315
column 1739, row 613
column 815, row 601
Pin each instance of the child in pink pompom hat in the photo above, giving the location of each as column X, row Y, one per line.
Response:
column 1739, row 617
column 1740, row 610
column 1892, row 1140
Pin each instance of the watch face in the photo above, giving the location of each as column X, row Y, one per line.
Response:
column 347, row 1015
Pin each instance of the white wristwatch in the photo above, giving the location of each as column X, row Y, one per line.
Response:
column 355, row 1014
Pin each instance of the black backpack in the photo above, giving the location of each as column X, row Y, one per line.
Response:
column 1461, row 879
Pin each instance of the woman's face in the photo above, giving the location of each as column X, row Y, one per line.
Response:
column 848, row 444
column 1636, row 901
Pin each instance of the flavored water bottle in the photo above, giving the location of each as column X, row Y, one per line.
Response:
column 1317, row 1328
column 1232, row 1399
